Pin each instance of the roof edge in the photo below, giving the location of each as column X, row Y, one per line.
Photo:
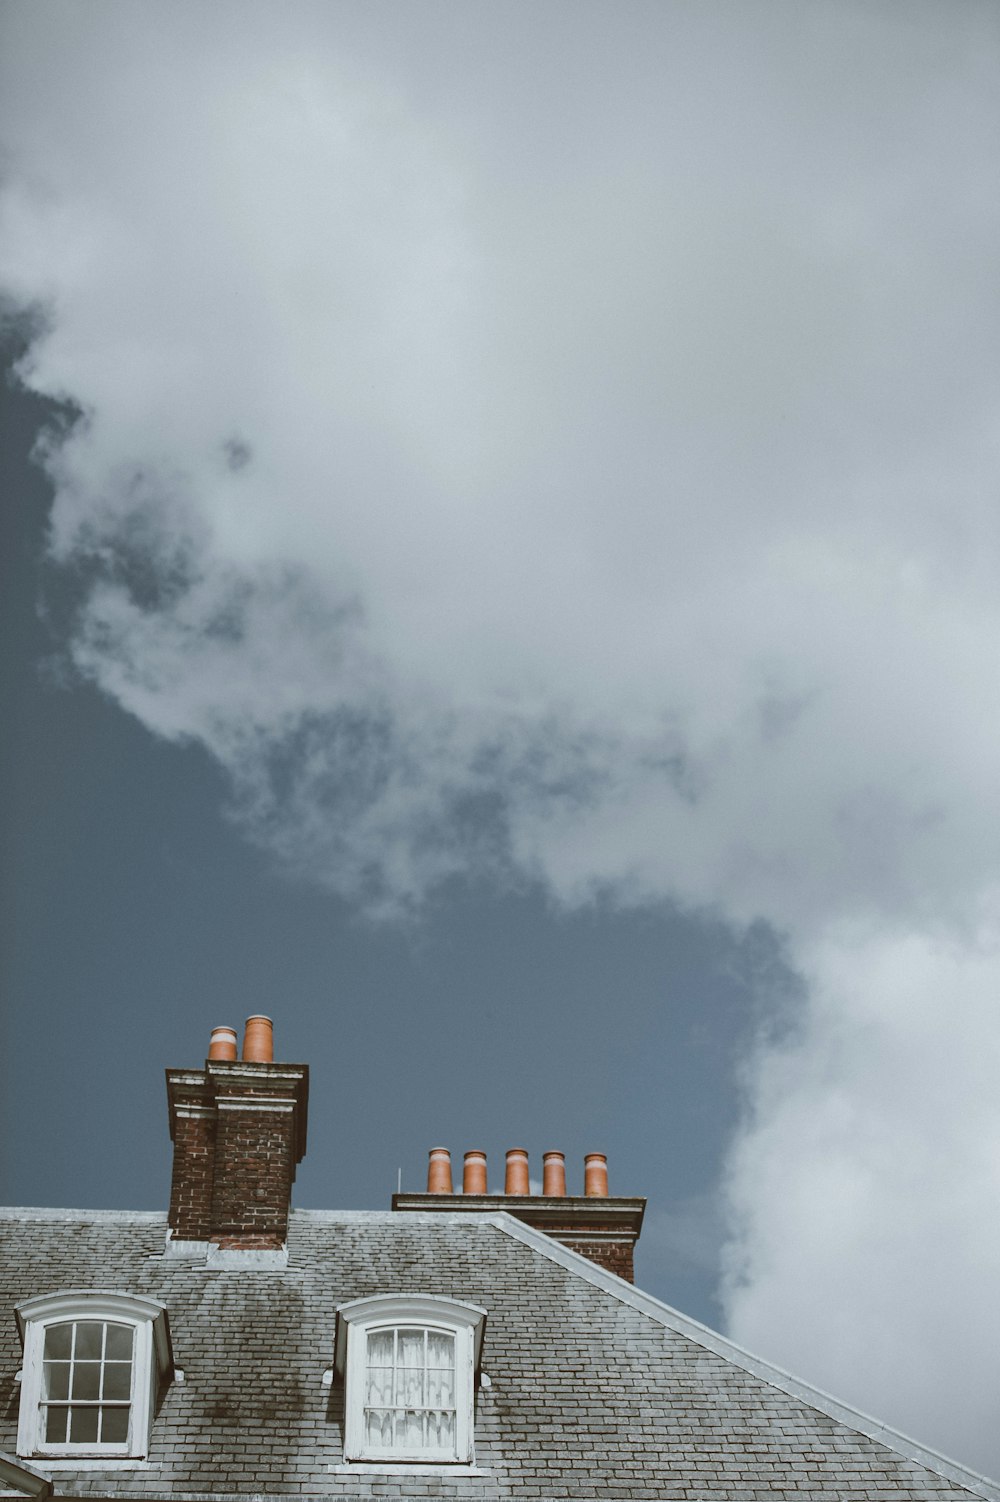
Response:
column 682, row 1324
column 44, row 1212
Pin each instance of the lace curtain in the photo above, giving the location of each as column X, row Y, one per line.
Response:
column 410, row 1390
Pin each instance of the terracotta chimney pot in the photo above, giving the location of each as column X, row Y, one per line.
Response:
column 258, row 1041
column 595, row 1174
column 474, row 1173
column 439, row 1171
column 223, row 1043
column 516, row 1181
column 553, row 1173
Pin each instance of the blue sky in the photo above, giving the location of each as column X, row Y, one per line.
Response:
column 507, row 586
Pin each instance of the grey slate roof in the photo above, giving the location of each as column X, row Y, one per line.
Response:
column 596, row 1390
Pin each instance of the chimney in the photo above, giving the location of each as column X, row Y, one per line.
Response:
column 595, row 1224
column 439, row 1171
column 239, row 1130
column 554, row 1173
column 595, row 1175
column 516, row 1180
column 474, row 1173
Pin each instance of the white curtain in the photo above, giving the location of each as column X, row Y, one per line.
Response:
column 410, row 1390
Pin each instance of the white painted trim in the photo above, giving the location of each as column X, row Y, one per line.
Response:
column 175, row 1247
column 106, row 1463
column 357, row 1319
column 18, row 1479
column 248, row 1259
column 152, row 1362
column 396, row 1308
column 251, row 1073
column 227, row 1104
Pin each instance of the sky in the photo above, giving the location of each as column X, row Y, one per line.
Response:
column 501, row 557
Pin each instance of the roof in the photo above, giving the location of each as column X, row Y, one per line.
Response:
column 595, row 1390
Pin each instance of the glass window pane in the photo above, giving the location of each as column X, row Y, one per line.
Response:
column 117, row 1380
column 119, row 1344
column 56, row 1420
column 83, row 1426
column 55, row 1379
column 87, row 1379
column 114, row 1426
column 410, row 1392
column 410, row 1430
column 411, row 1348
column 441, row 1430
column 58, row 1339
column 441, row 1389
column 89, row 1340
column 378, row 1428
column 380, row 1348
column 440, row 1370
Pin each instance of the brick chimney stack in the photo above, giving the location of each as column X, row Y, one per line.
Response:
column 239, row 1130
column 595, row 1224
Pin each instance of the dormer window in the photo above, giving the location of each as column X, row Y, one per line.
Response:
column 92, row 1366
column 409, row 1365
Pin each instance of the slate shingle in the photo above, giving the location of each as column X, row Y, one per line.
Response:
column 591, row 1394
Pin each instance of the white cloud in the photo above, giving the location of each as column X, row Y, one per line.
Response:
column 587, row 470
column 869, row 1181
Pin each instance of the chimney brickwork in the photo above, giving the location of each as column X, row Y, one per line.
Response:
column 599, row 1226
column 239, row 1130
column 192, row 1130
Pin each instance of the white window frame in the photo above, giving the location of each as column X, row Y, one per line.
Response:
column 386, row 1311
column 152, row 1365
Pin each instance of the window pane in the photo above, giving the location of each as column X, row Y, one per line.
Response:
column 87, row 1379
column 55, row 1426
column 380, row 1368
column 89, row 1338
column 410, row 1430
column 380, row 1348
column 410, row 1386
column 114, row 1426
column 55, row 1379
column 410, row 1375
column 83, row 1426
column 58, row 1339
column 378, row 1428
column 410, row 1397
column 379, row 1392
column 117, row 1380
column 440, row 1370
column 441, row 1430
column 119, row 1346
column 411, row 1348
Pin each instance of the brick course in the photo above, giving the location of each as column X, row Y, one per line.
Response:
column 238, row 1132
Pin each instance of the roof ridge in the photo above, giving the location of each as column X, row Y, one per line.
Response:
column 46, row 1212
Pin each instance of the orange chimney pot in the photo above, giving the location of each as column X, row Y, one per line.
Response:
column 474, row 1173
column 258, row 1041
column 439, row 1171
column 554, row 1173
column 516, row 1179
column 223, row 1043
column 595, row 1174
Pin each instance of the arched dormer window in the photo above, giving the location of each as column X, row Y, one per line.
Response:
column 409, row 1363
column 93, row 1363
